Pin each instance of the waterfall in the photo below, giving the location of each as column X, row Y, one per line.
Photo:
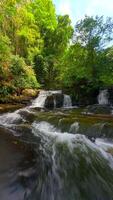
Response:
column 67, row 101
column 103, row 97
column 105, row 144
column 61, row 160
column 74, row 128
column 70, row 157
column 39, row 102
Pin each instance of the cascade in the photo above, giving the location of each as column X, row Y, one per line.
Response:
column 74, row 128
column 62, row 159
column 67, row 101
column 103, row 97
column 43, row 95
column 40, row 100
column 66, row 152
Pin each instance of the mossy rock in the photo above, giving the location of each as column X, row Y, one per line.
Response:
column 30, row 92
column 98, row 109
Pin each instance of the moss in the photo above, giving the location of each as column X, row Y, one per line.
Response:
column 110, row 151
column 23, row 98
column 30, row 92
column 7, row 107
column 92, row 126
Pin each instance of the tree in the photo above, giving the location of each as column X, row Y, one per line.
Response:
column 56, row 43
column 105, row 71
column 93, row 32
column 86, row 65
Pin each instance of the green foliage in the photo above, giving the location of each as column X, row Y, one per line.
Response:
column 17, row 66
column 30, row 78
column 74, row 65
column 7, row 89
column 4, row 47
column 105, row 67
column 22, row 27
column 56, row 43
column 40, row 68
column 44, row 12
column 32, row 35
column 23, row 76
column 87, row 65
column 93, row 32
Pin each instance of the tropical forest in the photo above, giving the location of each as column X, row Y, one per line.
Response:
column 56, row 100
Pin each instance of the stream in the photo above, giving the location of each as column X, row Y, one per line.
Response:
column 58, row 154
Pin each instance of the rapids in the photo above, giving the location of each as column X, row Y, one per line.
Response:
column 103, row 97
column 55, row 155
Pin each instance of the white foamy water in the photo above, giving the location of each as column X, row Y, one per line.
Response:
column 103, row 97
column 39, row 102
column 9, row 118
column 67, row 101
column 45, row 129
column 48, row 132
column 74, row 127
column 104, row 143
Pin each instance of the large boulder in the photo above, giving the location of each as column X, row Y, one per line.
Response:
column 110, row 97
column 54, row 101
column 59, row 99
column 98, row 109
column 30, row 92
column 49, row 102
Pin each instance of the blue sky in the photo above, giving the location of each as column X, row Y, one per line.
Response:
column 78, row 8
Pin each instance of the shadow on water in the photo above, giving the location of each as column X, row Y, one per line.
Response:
column 17, row 167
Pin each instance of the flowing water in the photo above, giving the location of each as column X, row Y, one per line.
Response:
column 67, row 101
column 55, row 155
column 103, row 97
column 40, row 100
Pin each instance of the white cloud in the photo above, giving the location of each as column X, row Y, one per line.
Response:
column 76, row 9
column 100, row 7
column 65, row 7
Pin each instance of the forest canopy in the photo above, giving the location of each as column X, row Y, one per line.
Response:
column 40, row 49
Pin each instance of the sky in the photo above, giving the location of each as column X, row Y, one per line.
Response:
column 76, row 9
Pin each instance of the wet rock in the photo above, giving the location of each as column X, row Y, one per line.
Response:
column 110, row 92
column 49, row 102
column 54, row 101
column 107, row 130
column 28, row 116
column 59, row 98
column 30, row 92
column 98, row 109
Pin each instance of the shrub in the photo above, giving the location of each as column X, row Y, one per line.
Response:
column 6, row 90
column 17, row 65
column 23, row 76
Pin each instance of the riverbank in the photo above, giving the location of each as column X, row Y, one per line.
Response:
column 13, row 102
column 37, row 143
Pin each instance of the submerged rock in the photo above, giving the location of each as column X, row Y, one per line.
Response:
column 98, row 109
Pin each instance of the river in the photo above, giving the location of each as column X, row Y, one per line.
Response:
column 59, row 154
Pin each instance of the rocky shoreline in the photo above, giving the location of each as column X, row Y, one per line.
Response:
column 13, row 102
